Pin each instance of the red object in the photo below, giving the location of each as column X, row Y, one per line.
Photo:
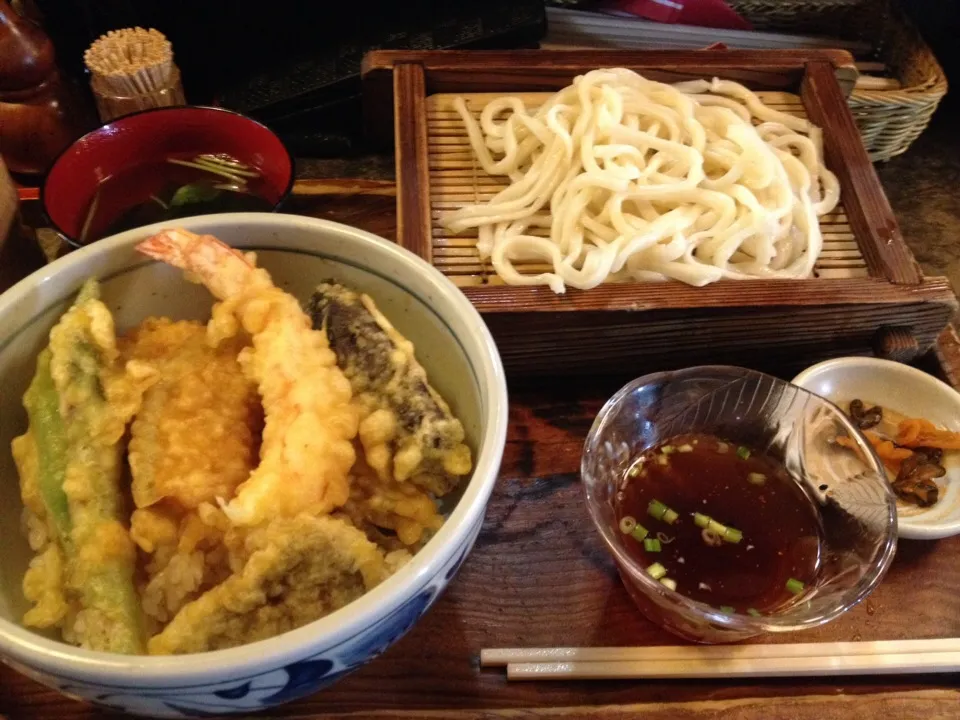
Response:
column 704, row 13
column 150, row 137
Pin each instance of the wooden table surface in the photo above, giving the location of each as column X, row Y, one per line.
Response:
column 539, row 576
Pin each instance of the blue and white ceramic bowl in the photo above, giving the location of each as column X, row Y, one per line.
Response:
column 453, row 344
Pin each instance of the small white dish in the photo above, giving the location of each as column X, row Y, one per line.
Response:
column 910, row 392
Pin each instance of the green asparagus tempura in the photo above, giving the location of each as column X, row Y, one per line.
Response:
column 43, row 410
column 78, row 434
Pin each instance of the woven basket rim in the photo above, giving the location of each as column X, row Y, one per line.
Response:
column 933, row 87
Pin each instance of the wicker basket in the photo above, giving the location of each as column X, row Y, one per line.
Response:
column 889, row 120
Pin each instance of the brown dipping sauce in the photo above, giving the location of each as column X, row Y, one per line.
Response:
column 741, row 489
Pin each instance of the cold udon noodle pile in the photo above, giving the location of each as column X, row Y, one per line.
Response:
column 620, row 178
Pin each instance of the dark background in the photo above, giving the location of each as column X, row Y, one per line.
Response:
column 939, row 22
column 294, row 64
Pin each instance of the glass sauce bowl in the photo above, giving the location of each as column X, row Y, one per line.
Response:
column 857, row 508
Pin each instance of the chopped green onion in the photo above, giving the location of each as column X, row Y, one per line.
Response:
column 732, row 535
column 717, row 527
column 210, row 168
column 657, row 571
column 662, row 459
column 727, row 609
column 670, row 516
column 651, row 545
column 756, row 478
column 634, row 471
column 687, row 447
column 669, row 583
column 627, row 524
column 639, row 532
column 743, row 453
column 753, row 612
column 229, row 162
column 668, row 449
column 794, row 586
column 657, row 509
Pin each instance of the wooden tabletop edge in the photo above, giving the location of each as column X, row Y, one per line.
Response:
column 378, row 60
column 909, row 705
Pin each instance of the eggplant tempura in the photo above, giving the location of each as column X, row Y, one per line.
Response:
column 189, row 488
column 413, row 445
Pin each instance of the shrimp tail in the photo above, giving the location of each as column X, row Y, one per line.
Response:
column 221, row 269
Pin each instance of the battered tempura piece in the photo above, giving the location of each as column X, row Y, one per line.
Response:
column 306, row 452
column 376, row 505
column 195, row 437
column 298, row 570
column 70, row 460
column 194, row 440
column 407, row 430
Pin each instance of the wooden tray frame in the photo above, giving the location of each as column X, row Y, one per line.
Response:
column 893, row 311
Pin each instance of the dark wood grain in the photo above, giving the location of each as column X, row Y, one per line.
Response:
column 559, row 61
column 410, row 143
column 897, row 343
column 368, row 204
column 642, row 297
column 589, row 343
column 538, row 70
column 539, row 575
column 868, row 209
column 542, row 70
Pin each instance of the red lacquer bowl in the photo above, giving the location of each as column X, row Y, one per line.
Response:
column 150, row 137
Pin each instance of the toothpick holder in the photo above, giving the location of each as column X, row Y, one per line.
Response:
column 111, row 104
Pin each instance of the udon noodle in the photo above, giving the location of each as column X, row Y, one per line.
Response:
column 621, row 178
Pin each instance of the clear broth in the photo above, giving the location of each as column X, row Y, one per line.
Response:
column 143, row 194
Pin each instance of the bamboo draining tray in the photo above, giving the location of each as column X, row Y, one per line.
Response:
column 869, row 295
column 456, row 178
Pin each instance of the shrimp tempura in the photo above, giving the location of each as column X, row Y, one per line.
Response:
column 306, row 451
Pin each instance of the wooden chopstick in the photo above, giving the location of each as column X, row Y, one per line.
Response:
column 884, row 657
column 501, row 657
column 827, row 665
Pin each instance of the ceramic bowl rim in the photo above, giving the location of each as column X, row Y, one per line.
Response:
column 907, row 527
column 201, row 669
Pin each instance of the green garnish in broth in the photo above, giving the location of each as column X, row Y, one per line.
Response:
column 740, row 527
column 656, row 571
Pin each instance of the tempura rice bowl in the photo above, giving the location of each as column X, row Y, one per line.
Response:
column 451, row 342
